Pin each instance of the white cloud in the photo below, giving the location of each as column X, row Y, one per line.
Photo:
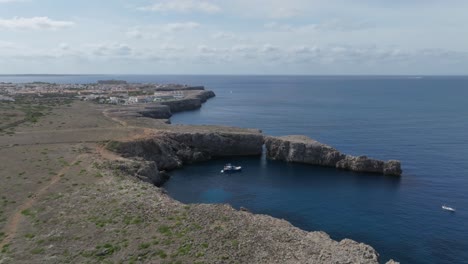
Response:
column 243, row 48
column 284, row 12
column 34, row 23
column 305, row 49
column 268, row 48
column 171, row 48
column 337, row 25
column 138, row 33
column 64, row 46
column 228, row 36
column 223, row 35
column 180, row 26
column 182, row 6
column 11, row 1
column 111, row 50
column 6, row 44
column 160, row 31
column 345, row 36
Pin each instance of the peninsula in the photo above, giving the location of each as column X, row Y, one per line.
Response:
column 79, row 165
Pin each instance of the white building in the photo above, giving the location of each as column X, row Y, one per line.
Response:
column 133, row 100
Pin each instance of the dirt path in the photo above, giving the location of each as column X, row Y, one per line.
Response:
column 14, row 220
column 121, row 122
column 108, row 155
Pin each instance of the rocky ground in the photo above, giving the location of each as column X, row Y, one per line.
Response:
column 66, row 199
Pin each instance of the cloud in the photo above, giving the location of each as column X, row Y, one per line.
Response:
column 243, row 48
column 180, row 26
column 111, row 50
column 284, row 12
column 268, row 48
column 326, row 25
column 223, row 35
column 64, row 46
column 160, row 31
column 182, row 6
column 11, row 1
column 301, row 50
column 6, row 44
column 34, row 23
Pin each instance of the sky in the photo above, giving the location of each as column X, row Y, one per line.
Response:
column 311, row 37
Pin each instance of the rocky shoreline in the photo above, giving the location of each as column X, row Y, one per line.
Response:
column 301, row 149
column 170, row 147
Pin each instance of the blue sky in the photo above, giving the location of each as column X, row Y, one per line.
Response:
column 234, row 36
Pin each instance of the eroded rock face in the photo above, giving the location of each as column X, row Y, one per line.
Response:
column 191, row 102
column 146, row 171
column 302, row 149
column 393, row 168
column 360, row 164
column 364, row 164
column 155, row 111
column 163, row 110
column 170, row 150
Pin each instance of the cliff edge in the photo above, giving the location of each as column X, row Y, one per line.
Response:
column 302, row 149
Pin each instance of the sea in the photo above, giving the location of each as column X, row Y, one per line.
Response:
column 420, row 120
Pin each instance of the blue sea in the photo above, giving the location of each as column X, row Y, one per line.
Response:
column 420, row 120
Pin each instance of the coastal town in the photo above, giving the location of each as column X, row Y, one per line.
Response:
column 104, row 92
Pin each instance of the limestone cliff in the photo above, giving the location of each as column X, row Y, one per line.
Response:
column 170, row 150
column 161, row 110
column 259, row 238
column 191, row 102
column 364, row 164
column 302, row 149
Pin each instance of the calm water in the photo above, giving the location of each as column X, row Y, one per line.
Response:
column 421, row 121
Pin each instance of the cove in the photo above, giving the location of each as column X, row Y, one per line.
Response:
column 421, row 122
column 311, row 198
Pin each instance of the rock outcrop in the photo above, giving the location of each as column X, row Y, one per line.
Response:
column 191, row 102
column 364, row 164
column 146, row 171
column 170, row 150
column 180, row 88
column 302, row 149
column 194, row 99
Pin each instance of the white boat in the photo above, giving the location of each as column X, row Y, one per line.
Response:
column 448, row 208
column 231, row 168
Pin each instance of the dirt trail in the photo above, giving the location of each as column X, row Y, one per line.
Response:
column 109, row 155
column 14, row 220
column 121, row 122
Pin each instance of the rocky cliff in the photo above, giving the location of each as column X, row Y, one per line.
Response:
column 162, row 110
column 190, row 102
column 180, row 88
column 258, row 238
column 302, row 149
column 170, row 150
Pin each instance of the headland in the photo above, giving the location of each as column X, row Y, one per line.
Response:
column 76, row 173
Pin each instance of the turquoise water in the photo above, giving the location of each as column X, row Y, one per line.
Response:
column 421, row 121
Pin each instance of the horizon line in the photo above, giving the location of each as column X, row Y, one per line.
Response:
column 230, row 74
